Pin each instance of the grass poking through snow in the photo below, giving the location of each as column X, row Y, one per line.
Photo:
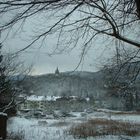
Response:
column 101, row 127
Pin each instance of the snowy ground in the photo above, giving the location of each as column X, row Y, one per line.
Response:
column 56, row 129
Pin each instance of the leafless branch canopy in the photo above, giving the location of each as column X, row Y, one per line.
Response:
column 76, row 20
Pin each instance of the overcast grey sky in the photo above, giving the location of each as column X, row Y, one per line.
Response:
column 42, row 62
column 20, row 36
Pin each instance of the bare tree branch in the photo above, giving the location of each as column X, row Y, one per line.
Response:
column 112, row 18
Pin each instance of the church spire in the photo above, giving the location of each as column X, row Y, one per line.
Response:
column 57, row 71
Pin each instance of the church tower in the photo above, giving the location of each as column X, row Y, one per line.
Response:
column 57, row 71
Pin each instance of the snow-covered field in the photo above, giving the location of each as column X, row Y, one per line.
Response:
column 56, row 129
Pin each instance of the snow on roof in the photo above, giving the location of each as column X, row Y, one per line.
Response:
column 35, row 98
column 42, row 98
column 52, row 98
column 49, row 98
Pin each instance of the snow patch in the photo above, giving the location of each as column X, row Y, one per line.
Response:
column 3, row 114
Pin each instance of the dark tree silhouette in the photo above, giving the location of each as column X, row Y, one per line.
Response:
column 10, row 69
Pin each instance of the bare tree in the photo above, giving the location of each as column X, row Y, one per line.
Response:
column 76, row 21
column 9, row 69
column 122, row 75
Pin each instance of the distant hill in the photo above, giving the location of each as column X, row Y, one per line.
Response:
column 66, row 84
column 82, row 84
